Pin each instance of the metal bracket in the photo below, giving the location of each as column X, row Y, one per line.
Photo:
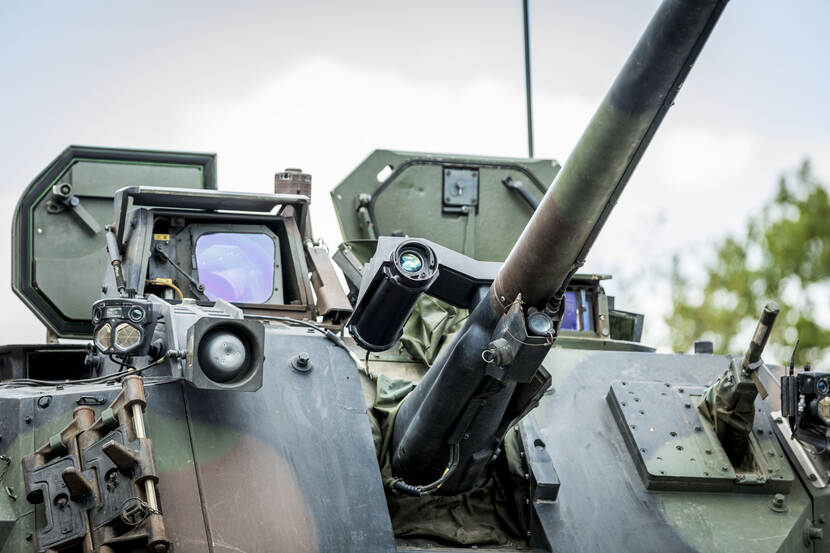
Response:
column 97, row 479
column 114, row 462
column 63, row 199
column 363, row 205
column 64, row 508
column 544, row 481
column 810, row 464
column 520, row 189
column 460, row 190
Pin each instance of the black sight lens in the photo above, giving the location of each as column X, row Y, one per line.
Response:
column 378, row 320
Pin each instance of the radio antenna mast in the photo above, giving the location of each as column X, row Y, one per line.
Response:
column 529, row 101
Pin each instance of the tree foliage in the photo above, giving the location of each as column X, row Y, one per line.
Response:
column 784, row 256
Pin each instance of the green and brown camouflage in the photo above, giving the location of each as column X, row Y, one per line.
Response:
column 237, row 422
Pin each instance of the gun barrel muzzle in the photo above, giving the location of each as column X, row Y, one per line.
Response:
column 759, row 339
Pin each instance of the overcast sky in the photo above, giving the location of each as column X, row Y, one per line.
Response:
column 319, row 85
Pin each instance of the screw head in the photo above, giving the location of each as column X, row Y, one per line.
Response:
column 303, row 359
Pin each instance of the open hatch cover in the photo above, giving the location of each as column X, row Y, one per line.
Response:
column 59, row 255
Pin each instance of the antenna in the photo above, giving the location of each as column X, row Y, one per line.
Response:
column 527, row 81
column 792, row 359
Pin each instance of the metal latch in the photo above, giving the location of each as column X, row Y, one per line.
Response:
column 63, row 199
column 460, row 190
column 97, row 479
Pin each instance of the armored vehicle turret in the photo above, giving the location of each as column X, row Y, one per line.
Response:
column 468, row 388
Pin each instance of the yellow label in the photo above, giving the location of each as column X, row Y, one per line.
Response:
column 161, row 237
column 161, row 281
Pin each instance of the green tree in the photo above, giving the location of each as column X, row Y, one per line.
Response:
column 783, row 256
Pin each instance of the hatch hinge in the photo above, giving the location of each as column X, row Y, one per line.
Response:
column 63, row 199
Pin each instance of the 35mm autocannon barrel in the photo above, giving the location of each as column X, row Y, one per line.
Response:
column 571, row 214
column 448, row 428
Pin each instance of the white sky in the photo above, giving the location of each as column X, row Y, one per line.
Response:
column 319, row 85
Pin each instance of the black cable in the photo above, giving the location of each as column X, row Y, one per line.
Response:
column 121, row 364
column 94, row 380
column 331, row 336
column 408, row 489
column 808, row 446
column 296, row 322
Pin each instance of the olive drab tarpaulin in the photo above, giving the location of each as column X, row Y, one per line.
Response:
column 729, row 404
column 481, row 517
column 431, row 324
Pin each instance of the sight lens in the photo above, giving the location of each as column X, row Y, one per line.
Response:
column 411, row 262
column 136, row 314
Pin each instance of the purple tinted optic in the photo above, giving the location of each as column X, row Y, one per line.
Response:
column 569, row 320
column 235, row 266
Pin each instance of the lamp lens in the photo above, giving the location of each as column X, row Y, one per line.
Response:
column 103, row 337
column 127, row 336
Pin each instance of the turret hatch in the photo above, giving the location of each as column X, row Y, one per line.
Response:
column 60, row 254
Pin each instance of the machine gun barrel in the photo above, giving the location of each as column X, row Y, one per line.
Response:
column 571, row 214
column 446, row 432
